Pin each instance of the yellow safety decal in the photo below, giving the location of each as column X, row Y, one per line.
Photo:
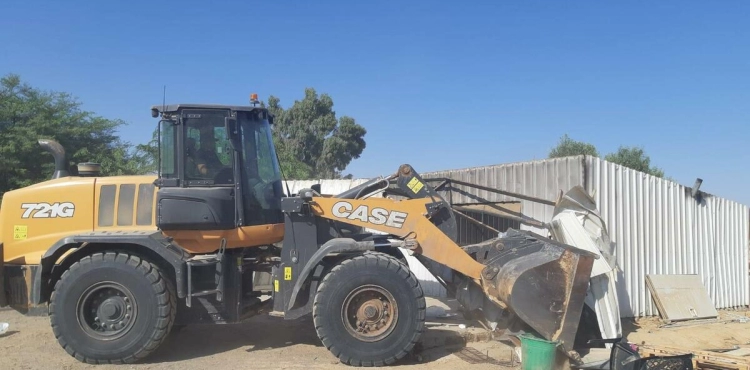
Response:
column 276, row 286
column 287, row 273
column 415, row 185
column 20, row 232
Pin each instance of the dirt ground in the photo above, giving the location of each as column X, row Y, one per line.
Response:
column 262, row 343
column 727, row 332
column 270, row 343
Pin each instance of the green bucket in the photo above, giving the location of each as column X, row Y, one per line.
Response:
column 537, row 353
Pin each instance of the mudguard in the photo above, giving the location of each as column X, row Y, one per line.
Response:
column 152, row 241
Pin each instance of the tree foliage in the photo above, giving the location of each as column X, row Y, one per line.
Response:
column 311, row 141
column 145, row 157
column 631, row 157
column 568, row 147
column 28, row 114
column 635, row 158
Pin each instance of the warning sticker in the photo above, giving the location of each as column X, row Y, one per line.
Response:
column 287, row 273
column 276, row 286
column 20, row 232
column 415, row 185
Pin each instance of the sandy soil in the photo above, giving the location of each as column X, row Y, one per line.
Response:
column 270, row 343
column 262, row 343
column 726, row 333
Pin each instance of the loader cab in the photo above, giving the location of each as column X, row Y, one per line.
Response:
column 218, row 168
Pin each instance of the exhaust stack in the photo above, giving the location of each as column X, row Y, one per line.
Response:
column 57, row 151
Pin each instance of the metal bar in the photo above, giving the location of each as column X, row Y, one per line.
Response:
column 205, row 292
column 511, row 215
column 484, row 203
column 441, row 185
column 471, row 219
column 365, row 188
column 220, row 270
column 189, row 297
column 498, row 191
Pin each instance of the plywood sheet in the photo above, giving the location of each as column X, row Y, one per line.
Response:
column 681, row 297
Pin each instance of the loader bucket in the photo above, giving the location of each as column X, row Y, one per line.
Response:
column 542, row 281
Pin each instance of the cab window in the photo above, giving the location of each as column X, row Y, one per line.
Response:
column 167, row 150
column 208, row 157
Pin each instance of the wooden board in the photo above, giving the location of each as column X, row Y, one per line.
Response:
column 701, row 359
column 680, row 297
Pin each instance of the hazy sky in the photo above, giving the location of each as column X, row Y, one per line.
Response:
column 437, row 85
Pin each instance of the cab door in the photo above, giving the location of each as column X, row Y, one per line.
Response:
column 196, row 177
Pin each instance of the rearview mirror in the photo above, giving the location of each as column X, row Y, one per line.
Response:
column 233, row 134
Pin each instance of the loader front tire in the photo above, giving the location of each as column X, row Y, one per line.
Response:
column 112, row 308
column 369, row 310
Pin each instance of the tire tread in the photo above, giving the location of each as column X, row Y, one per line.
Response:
column 363, row 260
column 167, row 301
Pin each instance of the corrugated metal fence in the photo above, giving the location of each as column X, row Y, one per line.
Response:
column 657, row 225
column 541, row 179
column 326, row 186
column 660, row 228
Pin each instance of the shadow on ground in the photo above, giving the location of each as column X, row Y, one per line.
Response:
column 469, row 355
column 629, row 326
column 258, row 333
column 266, row 332
column 9, row 333
column 438, row 343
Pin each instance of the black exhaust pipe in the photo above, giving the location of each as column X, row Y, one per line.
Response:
column 57, row 151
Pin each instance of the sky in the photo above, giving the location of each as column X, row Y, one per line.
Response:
column 438, row 85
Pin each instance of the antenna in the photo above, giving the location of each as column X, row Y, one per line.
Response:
column 164, row 99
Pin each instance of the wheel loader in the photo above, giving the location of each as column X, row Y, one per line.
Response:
column 212, row 238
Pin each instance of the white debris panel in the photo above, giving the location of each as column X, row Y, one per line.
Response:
column 576, row 222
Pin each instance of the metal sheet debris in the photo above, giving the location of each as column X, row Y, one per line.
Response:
column 680, row 297
column 576, row 222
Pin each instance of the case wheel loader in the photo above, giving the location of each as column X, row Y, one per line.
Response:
column 116, row 262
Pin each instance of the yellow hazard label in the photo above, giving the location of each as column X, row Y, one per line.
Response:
column 20, row 232
column 276, row 286
column 287, row 273
column 415, row 185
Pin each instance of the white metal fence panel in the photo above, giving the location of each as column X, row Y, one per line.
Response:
column 659, row 228
column 330, row 187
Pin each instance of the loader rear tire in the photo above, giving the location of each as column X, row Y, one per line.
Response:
column 112, row 308
column 369, row 310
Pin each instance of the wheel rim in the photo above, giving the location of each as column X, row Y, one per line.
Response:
column 106, row 310
column 369, row 313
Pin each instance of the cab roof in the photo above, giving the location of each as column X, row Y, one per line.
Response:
column 175, row 107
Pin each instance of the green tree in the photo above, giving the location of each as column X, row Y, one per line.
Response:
column 635, row 158
column 568, row 147
column 28, row 114
column 631, row 157
column 145, row 157
column 292, row 168
column 311, row 140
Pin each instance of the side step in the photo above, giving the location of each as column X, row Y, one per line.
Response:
column 206, row 260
